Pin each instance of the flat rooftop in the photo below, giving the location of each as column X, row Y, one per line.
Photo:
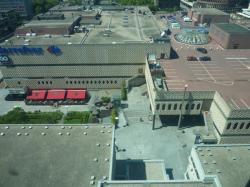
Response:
column 157, row 184
column 209, row 11
column 36, row 159
column 69, row 18
column 228, row 73
column 228, row 162
column 232, row 28
column 125, row 27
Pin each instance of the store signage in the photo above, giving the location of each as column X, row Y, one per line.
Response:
column 21, row 50
column 4, row 59
column 54, row 50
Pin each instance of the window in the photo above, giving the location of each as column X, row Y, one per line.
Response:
column 248, row 126
column 140, row 70
column 111, row 82
column 107, row 82
column 242, row 125
column 103, row 82
column 83, row 82
column 229, row 125
column 180, row 107
column 50, row 82
column 87, row 82
column 42, row 82
column 100, row 82
column 163, row 107
column 175, row 106
column 79, row 82
column 18, row 82
column 187, row 106
column 192, row 106
column 198, row 106
column 169, row 106
column 115, row 82
column 91, row 82
column 47, row 82
column 71, row 82
column 38, row 82
column 157, row 106
column 95, row 82
column 235, row 125
column 75, row 82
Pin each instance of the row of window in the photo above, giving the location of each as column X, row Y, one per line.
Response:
column 238, row 125
column 92, row 82
column 78, row 82
column 175, row 106
column 44, row 82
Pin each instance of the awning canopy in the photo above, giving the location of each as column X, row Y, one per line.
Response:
column 76, row 94
column 56, row 94
column 37, row 95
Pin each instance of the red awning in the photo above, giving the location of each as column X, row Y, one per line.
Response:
column 76, row 94
column 56, row 94
column 37, row 95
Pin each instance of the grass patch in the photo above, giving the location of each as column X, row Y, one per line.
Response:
column 77, row 117
column 19, row 116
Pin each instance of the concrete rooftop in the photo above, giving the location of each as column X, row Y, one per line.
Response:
column 228, row 162
column 32, row 158
column 126, row 27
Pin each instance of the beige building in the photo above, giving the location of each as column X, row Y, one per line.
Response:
column 230, row 35
column 209, row 166
column 207, row 16
column 224, row 104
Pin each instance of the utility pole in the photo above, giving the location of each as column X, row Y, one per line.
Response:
column 182, row 102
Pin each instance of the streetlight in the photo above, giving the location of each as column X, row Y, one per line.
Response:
column 182, row 102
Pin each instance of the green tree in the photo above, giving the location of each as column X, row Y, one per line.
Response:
column 123, row 91
column 114, row 114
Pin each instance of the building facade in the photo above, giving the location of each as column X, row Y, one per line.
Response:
column 230, row 36
column 23, row 7
column 228, row 125
column 219, row 4
column 91, row 66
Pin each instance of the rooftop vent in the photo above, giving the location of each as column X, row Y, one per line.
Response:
column 85, row 133
column 68, row 133
column 2, row 134
column 26, row 134
column 43, row 133
column 30, row 127
column 62, row 127
column 18, row 134
column 6, row 127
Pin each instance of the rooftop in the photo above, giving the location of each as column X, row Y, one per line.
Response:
column 157, row 184
column 117, row 26
column 232, row 28
column 209, row 11
column 56, row 156
column 69, row 18
column 228, row 162
column 228, row 73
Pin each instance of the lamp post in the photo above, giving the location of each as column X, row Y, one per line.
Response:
column 180, row 116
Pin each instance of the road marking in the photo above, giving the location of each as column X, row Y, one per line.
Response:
column 242, row 100
column 232, row 58
column 234, row 103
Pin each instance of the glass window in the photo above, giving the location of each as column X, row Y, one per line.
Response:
column 187, row 106
column 180, row 106
column 169, row 106
column 115, row 82
column 163, row 107
column 242, row 125
column 248, row 126
column 198, row 106
column 157, row 106
column 235, row 125
column 38, row 82
column 83, row 82
column 229, row 125
column 192, row 106
column 50, row 82
column 175, row 106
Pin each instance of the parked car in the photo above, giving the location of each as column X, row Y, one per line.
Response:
column 202, row 50
column 191, row 58
column 205, row 58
